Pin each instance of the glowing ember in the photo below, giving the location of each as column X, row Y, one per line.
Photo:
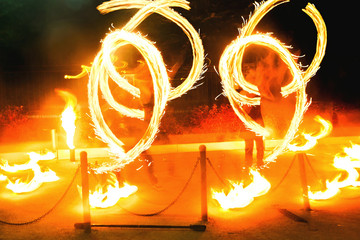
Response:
column 103, row 69
column 84, row 72
column 311, row 139
column 68, row 116
column 230, row 69
column 109, row 194
column 240, row 196
column 40, row 176
column 348, row 163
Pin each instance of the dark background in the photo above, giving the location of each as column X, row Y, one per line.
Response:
column 41, row 41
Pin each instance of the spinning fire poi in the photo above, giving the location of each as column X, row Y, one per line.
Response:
column 102, row 69
column 230, row 70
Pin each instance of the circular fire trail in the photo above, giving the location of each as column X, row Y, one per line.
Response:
column 102, row 69
column 230, row 69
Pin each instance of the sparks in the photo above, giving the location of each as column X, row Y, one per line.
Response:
column 102, row 69
column 230, row 69
column 85, row 71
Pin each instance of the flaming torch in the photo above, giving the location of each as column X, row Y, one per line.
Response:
column 68, row 118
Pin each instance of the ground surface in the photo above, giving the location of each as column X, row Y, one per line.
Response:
column 277, row 215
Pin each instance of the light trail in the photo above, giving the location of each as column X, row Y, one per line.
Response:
column 102, row 69
column 85, row 71
column 230, row 69
column 312, row 138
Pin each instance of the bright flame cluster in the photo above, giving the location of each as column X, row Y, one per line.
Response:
column 68, row 116
column 349, row 163
column 312, row 138
column 240, row 196
column 103, row 69
column 40, row 176
column 108, row 195
column 230, row 69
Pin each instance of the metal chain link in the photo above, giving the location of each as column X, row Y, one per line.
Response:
column 51, row 209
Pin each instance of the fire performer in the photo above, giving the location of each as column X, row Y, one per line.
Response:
column 269, row 74
column 250, row 137
column 142, row 80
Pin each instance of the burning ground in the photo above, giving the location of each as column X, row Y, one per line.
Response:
column 278, row 214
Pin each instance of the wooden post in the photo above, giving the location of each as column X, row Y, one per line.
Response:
column 85, row 191
column 53, row 139
column 301, row 158
column 72, row 155
column 204, row 208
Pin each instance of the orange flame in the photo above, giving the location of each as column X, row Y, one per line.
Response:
column 240, row 196
column 108, row 195
column 40, row 176
column 348, row 163
column 68, row 116
column 230, row 69
column 311, row 139
column 103, row 69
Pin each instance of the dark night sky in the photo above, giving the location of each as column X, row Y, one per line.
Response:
column 36, row 34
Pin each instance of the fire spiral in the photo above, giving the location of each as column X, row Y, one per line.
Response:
column 230, row 69
column 103, row 69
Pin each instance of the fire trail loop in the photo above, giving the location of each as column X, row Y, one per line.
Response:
column 51, row 209
column 103, row 69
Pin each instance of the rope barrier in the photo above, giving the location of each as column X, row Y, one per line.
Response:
column 283, row 178
column 51, row 209
column 288, row 170
column 216, row 173
column 312, row 168
column 171, row 203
